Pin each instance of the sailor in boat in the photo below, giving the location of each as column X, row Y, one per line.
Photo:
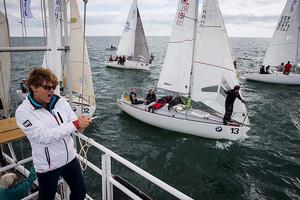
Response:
column 175, row 101
column 48, row 121
column 287, row 68
column 280, row 67
column 12, row 189
column 151, row 97
column 110, row 58
column 160, row 103
column 151, row 58
column 267, row 69
column 229, row 102
column 133, row 97
column 262, row 70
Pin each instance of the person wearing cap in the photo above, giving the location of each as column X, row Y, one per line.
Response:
column 229, row 102
column 12, row 189
column 48, row 121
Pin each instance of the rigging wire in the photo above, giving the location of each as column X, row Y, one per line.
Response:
column 83, row 164
column 83, row 52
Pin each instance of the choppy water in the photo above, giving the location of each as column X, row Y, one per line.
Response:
column 266, row 165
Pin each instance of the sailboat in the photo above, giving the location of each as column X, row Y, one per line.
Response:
column 284, row 47
column 84, row 102
column 5, row 65
column 198, row 65
column 133, row 43
column 11, row 136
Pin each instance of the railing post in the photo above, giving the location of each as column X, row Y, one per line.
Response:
column 103, row 163
column 108, row 175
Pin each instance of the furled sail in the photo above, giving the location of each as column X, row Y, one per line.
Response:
column 284, row 45
column 213, row 70
column 82, row 83
column 175, row 74
column 5, row 65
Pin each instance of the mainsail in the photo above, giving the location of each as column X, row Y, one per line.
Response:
column 82, row 82
column 5, row 65
column 175, row 74
column 133, row 41
column 212, row 70
column 284, row 45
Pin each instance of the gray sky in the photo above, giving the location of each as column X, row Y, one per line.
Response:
column 243, row 18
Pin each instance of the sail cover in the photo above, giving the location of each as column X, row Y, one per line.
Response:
column 82, row 82
column 5, row 64
column 126, row 44
column 175, row 74
column 284, row 45
column 213, row 69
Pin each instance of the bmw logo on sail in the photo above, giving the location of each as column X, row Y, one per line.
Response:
column 219, row 129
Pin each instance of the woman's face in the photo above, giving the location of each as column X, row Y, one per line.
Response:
column 43, row 94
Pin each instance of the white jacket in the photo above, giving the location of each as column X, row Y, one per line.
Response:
column 49, row 132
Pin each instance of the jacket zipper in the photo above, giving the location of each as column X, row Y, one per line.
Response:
column 47, row 156
column 63, row 139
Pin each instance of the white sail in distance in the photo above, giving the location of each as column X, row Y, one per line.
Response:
column 175, row 74
column 52, row 59
column 284, row 45
column 82, row 83
column 133, row 41
column 5, row 64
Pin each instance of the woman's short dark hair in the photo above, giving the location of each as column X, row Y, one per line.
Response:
column 39, row 75
column 237, row 87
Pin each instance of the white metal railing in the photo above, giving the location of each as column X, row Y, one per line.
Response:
column 108, row 180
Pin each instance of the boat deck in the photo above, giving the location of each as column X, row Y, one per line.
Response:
column 9, row 131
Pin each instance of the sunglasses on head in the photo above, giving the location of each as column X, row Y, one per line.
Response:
column 49, row 87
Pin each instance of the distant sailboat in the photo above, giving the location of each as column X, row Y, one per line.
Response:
column 133, row 43
column 84, row 101
column 284, row 47
column 5, row 65
column 198, row 65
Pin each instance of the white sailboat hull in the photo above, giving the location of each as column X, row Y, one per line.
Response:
column 128, row 65
column 194, row 122
column 277, row 78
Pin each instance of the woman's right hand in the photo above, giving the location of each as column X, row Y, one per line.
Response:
column 84, row 121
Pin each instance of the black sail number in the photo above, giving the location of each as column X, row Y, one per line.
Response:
column 235, row 130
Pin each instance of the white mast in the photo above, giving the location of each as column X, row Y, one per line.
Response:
column 194, row 43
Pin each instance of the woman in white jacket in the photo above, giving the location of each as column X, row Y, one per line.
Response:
column 48, row 122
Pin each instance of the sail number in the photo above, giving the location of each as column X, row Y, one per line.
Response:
column 235, row 130
column 84, row 110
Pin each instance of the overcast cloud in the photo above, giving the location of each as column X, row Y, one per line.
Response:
column 243, row 18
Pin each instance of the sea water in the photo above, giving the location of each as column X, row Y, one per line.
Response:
column 265, row 165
